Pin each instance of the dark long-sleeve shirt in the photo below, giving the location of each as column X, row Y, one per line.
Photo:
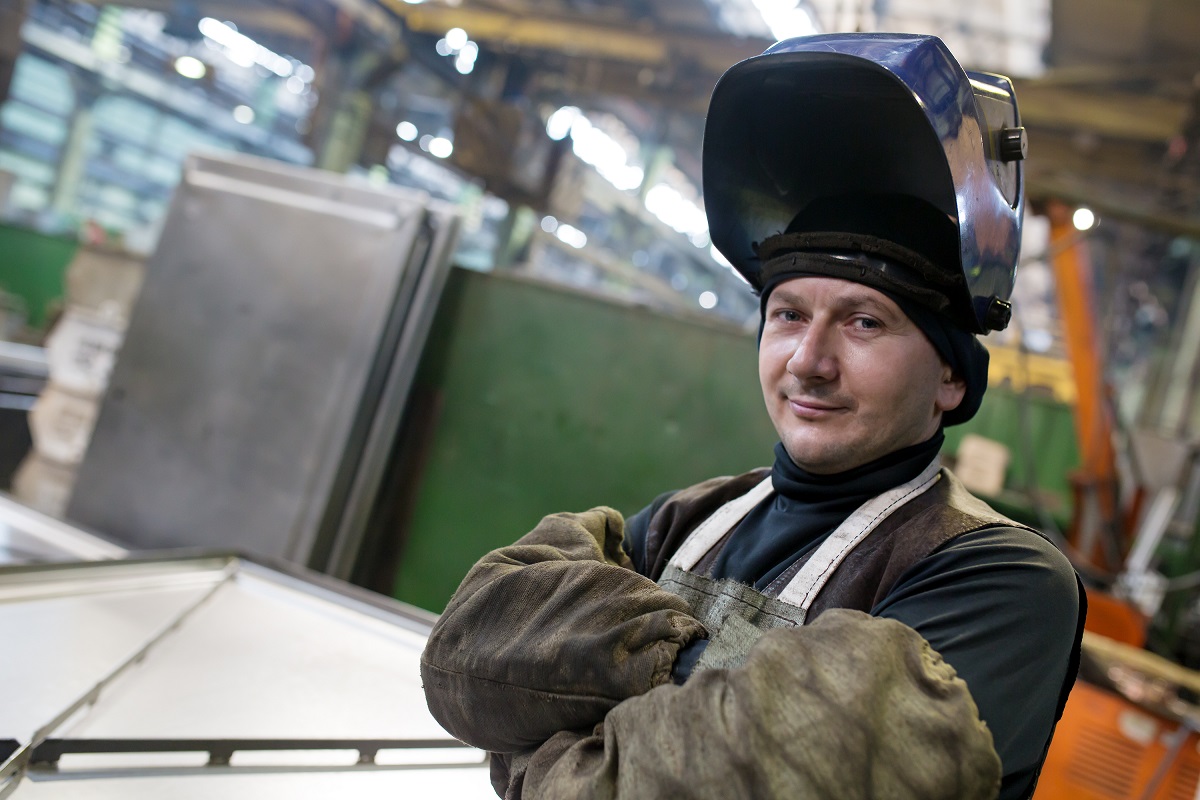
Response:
column 1001, row 605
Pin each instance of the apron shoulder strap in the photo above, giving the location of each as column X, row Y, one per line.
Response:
column 807, row 583
column 721, row 522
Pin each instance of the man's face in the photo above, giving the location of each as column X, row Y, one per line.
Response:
column 846, row 376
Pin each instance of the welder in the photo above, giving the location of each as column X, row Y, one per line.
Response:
column 849, row 622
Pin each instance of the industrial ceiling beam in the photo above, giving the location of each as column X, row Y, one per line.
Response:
column 1114, row 204
column 371, row 15
column 1134, row 164
column 1116, row 115
column 1103, row 75
column 687, row 93
column 276, row 20
column 579, row 38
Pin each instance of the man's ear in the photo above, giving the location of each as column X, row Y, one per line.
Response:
column 951, row 391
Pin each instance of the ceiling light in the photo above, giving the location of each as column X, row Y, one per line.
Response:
column 1083, row 219
column 457, row 39
column 465, row 62
column 786, row 18
column 190, row 67
column 675, row 210
column 560, row 122
column 571, row 235
column 243, row 50
column 407, row 131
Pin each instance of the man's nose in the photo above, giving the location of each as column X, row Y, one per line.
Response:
column 815, row 357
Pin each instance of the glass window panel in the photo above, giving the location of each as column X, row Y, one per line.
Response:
column 27, row 120
column 26, row 168
column 29, row 196
column 127, row 119
column 43, row 84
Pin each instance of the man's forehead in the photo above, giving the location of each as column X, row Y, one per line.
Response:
column 820, row 288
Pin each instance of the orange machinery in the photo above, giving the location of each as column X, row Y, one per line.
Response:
column 1128, row 735
column 1108, row 748
column 1096, row 533
column 1134, row 739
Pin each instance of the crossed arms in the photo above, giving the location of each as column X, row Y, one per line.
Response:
column 556, row 656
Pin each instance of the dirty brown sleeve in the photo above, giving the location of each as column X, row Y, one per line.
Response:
column 850, row 708
column 550, row 634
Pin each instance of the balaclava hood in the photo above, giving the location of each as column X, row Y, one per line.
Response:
column 967, row 357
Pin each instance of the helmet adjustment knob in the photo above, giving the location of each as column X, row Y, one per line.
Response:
column 998, row 313
column 1014, row 144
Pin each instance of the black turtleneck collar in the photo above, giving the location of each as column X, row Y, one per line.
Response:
column 806, row 508
column 874, row 477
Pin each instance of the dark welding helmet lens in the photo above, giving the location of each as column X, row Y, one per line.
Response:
column 869, row 116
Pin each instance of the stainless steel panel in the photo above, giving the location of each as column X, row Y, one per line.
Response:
column 346, row 544
column 28, row 536
column 447, row 784
column 266, row 655
column 254, row 362
column 23, row 359
column 262, row 660
column 60, row 642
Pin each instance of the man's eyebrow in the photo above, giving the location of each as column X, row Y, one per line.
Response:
column 848, row 302
column 860, row 300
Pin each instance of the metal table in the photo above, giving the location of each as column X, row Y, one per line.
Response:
column 215, row 676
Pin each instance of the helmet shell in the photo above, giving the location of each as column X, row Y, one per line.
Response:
column 845, row 115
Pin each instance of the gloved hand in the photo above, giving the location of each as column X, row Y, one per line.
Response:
column 851, row 707
column 549, row 634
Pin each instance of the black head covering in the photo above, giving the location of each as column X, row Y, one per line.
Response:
column 910, row 280
column 967, row 357
column 893, row 244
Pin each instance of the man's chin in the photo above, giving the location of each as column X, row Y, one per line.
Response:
column 818, row 460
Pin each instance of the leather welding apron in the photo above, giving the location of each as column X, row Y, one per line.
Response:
column 725, row 605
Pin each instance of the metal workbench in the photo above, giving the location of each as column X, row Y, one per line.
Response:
column 208, row 676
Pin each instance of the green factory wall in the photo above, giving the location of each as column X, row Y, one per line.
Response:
column 532, row 398
column 552, row 400
column 33, row 267
column 1040, row 434
column 539, row 399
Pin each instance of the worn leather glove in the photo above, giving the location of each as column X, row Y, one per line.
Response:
column 851, row 707
column 549, row 634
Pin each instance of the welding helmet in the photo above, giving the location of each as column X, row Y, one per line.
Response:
column 874, row 157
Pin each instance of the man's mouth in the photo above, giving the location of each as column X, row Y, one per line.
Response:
column 804, row 407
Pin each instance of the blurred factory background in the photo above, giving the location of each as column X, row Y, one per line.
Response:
column 353, row 291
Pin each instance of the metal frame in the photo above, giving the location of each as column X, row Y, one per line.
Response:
column 49, row 753
column 335, row 283
column 16, row 763
column 57, row 536
column 43, row 751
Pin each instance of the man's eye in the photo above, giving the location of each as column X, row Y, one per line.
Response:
column 787, row 315
column 867, row 323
